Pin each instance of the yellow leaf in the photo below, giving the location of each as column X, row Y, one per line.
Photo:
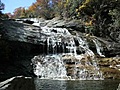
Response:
column 76, row 10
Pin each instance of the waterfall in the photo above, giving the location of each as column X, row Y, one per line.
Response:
column 62, row 60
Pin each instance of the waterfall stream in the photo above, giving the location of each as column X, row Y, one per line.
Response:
column 63, row 61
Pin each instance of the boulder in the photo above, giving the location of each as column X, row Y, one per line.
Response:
column 18, row 44
column 18, row 83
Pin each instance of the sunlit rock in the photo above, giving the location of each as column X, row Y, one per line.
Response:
column 110, row 67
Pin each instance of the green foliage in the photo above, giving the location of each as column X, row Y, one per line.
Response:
column 115, row 13
column 67, row 8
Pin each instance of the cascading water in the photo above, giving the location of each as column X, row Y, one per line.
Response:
column 98, row 47
column 62, row 60
column 49, row 67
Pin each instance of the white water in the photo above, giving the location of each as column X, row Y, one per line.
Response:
column 62, row 60
column 50, row 67
column 98, row 47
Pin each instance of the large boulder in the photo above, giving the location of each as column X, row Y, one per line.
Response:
column 18, row 44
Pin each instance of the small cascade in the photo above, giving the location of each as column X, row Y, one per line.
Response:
column 83, row 46
column 62, row 60
column 98, row 47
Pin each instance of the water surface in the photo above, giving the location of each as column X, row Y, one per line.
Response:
column 76, row 84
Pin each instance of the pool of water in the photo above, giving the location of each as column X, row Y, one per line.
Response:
column 76, row 84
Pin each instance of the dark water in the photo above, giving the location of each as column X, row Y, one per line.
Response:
column 76, row 85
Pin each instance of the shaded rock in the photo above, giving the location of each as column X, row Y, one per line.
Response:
column 115, row 36
column 15, row 58
column 18, row 83
column 19, row 43
column 113, row 50
column 28, row 21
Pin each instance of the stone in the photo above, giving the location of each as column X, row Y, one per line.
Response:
column 18, row 83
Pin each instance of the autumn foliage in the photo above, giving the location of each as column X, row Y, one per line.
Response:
column 48, row 9
column 40, row 8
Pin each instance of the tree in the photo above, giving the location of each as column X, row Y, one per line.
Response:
column 41, row 8
column 19, row 12
column 45, row 8
column 58, row 8
column 98, row 11
column 2, row 5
